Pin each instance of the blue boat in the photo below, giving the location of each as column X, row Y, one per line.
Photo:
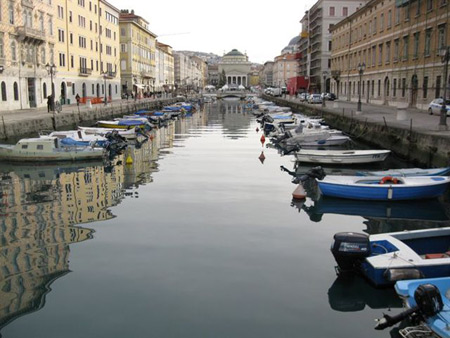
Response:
column 407, row 172
column 387, row 258
column 427, row 307
column 383, row 189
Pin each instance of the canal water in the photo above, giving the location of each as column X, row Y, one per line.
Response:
column 197, row 237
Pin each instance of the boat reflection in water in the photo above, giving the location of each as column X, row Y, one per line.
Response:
column 423, row 210
column 350, row 293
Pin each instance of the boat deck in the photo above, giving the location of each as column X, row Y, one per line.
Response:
column 420, row 331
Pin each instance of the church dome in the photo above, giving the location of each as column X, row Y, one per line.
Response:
column 234, row 52
column 294, row 41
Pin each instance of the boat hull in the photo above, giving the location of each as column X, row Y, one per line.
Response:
column 370, row 189
column 341, row 157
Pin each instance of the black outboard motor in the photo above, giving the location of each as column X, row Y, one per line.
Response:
column 349, row 249
column 429, row 303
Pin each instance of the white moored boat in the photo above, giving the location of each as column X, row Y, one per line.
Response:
column 46, row 149
column 341, row 156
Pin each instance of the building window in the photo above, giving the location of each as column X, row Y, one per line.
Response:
column 397, row 16
column 60, row 12
column 60, row 35
column 43, row 56
column 13, row 51
column 416, row 45
column 438, row 86
column 11, row 12
column 425, row 87
column 16, row 91
column 380, row 54
column 2, row 47
column 374, row 56
column 429, row 5
column 381, row 22
column 4, row 96
column 396, row 49
column 388, row 52
column 379, row 88
column 44, row 89
column 403, row 87
column 406, row 11
column 394, row 88
column 389, row 19
column 405, row 47
column 62, row 60
column 428, row 33
column 441, row 37
column 331, row 11
column 418, row 2
column 344, row 12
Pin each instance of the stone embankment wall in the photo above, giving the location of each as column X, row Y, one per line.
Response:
column 420, row 148
column 70, row 118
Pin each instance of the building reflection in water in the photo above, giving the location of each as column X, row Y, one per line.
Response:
column 42, row 206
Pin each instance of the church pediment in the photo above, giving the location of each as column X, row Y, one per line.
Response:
column 235, row 72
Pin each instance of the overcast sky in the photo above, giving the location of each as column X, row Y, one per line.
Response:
column 260, row 28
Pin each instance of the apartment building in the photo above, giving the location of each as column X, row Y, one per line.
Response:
column 394, row 47
column 86, row 51
column 266, row 74
column 27, row 43
column 189, row 71
column 137, row 55
column 315, row 45
column 165, row 75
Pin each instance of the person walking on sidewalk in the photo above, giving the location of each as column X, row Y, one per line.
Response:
column 49, row 103
column 77, row 97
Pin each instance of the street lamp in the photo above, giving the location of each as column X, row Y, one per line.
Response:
column 445, row 55
column 105, row 74
column 361, row 68
column 51, row 70
column 324, row 87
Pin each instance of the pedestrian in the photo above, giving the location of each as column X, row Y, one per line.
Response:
column 77, row 97
column 126, row 96
column 49, row 103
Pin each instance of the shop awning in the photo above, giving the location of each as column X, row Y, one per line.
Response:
column 139, row 85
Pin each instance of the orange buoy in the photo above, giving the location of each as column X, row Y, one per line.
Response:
column 299, row 193
column 263, row 139
column 389, row 180
column 151, row 137
column 262, row 157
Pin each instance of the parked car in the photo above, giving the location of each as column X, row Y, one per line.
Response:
column 330, row 96
column 435, row 106
column 315, row 98
column 303, row 97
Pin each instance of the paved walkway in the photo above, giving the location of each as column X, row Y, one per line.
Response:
column 24, row 114
column 418, row 120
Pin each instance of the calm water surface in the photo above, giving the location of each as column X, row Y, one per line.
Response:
column 197, row 238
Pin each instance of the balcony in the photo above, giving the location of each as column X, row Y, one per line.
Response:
column 147, row 75
column 109, row 75
column 30, row 35
column 85, row 72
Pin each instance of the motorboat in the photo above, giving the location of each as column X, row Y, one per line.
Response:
column 387, row 258
column 45, row 149
column 76, row 137
column 385, row 189
column 126, row 133
column 341, row 156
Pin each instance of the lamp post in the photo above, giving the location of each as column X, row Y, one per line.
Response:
column 445, row 55
column 51, row 70
column 361, row 68
column 324, row 87
column 105, row 74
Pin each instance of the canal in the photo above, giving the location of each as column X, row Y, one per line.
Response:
column 197, row 237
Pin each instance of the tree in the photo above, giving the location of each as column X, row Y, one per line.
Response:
column 222, row 79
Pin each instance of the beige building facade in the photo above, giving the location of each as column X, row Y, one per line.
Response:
column 398, row 45
column 237, row 68
column 165, row 73
column 137, row 55
column 27, row 43
column 86, row 51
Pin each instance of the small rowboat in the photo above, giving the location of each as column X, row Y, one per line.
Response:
column 407, row 172
column 384, row 189
column 127, row 133
column 341, row 156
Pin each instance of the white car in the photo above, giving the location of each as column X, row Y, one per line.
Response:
column 315, row 98
column 435, row 106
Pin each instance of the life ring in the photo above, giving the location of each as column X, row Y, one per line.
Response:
column 388, row 179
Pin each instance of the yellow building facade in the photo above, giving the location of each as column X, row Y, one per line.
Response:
column 399, row 43
column 137, row 55
column 87, row 51
column 27, row 41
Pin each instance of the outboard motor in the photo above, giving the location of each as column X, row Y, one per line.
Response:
column 429, row 303
column 349, row 249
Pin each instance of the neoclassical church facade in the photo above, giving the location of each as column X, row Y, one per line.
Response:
column 237, row 68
